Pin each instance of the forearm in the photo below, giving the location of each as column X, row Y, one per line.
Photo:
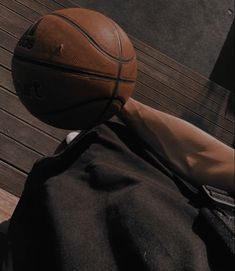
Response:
column 191, row 152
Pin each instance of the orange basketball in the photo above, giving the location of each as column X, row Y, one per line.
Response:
column 74, row 68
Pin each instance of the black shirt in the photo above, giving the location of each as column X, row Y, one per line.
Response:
column 108, row 202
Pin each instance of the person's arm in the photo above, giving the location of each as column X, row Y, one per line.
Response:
column 191, row 152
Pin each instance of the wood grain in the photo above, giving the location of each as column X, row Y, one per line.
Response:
column 66, row 3
column 52, row 5
column 36, row 6
column 20, row 9
column 11, row 104
column 12, row 22
column 27, row 135
column 8, row 203
column 7, row 41
column 16, row 154
column 6, row 57
column 11, row 179
column 153, row 53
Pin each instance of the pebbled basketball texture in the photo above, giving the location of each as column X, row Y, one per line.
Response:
column 74, row 68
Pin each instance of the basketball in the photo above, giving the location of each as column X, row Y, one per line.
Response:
column 74, row 68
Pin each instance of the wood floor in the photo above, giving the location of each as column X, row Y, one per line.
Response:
column 162, row 83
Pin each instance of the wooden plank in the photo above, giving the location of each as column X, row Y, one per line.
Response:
column 12, row 22
column 7, row 41
column 16, row 154
column 11, row 104
column 66, row 3
column 198, row 97
column 20, row 9
column 8, row 203
column 5, row 59
column 52, row 5
column 26, row 134
column 188, row 103
column 36, row 6
column 218, row 109
column 6, row 80
column 11, row 179
column 188, row 86
column 168, row 80
column 151, row 52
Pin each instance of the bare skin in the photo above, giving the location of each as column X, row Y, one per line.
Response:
column 194, row 154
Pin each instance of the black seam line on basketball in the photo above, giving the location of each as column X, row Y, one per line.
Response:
column 33, row 28
column 119, row 63
column 117, row 80
column 63, row 68
column 92, row 41
column 78, row 105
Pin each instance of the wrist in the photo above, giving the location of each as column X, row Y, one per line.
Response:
column 130, row 111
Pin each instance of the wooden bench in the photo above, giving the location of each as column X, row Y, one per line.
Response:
column 162, row 83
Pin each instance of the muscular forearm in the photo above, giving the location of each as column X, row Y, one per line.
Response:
column 191, row 152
